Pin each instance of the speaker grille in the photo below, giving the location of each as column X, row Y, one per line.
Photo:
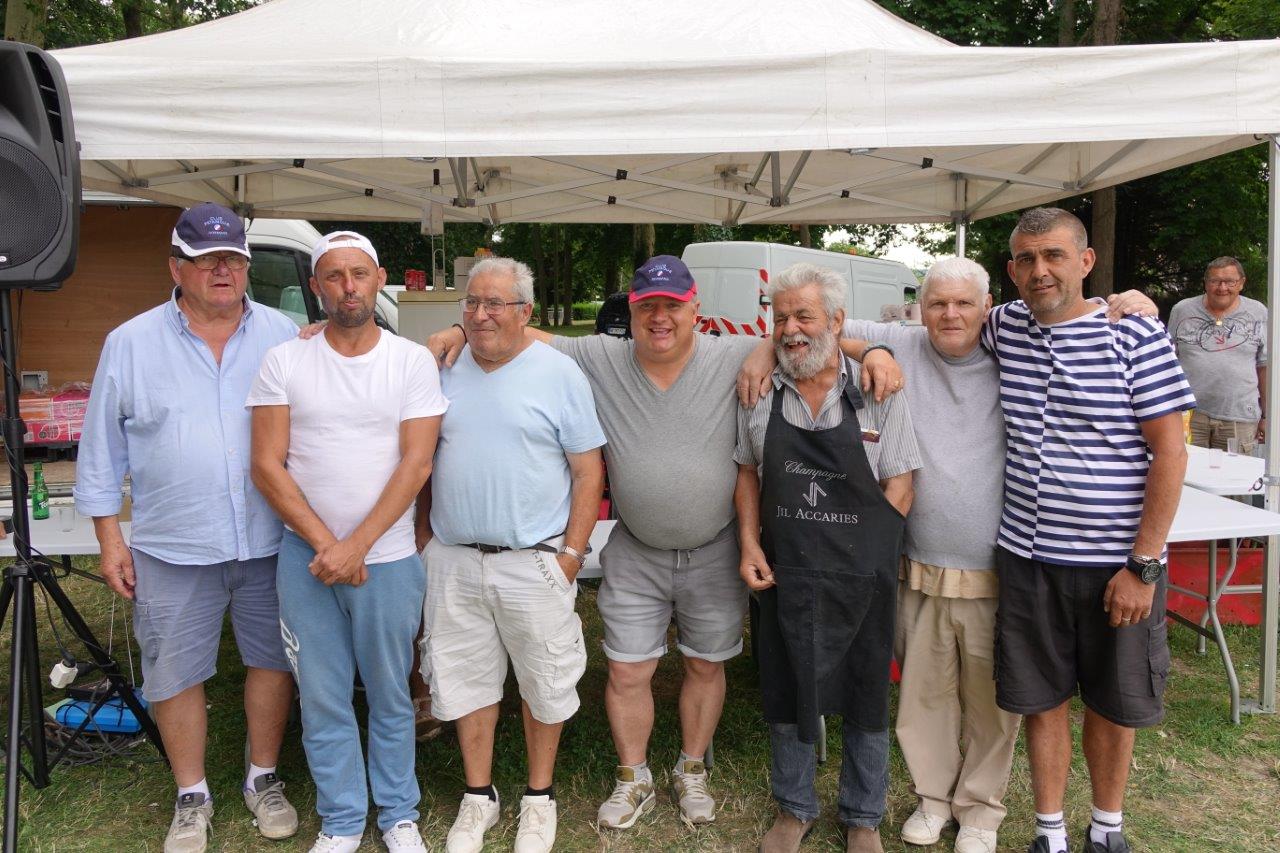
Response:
column 30, row 205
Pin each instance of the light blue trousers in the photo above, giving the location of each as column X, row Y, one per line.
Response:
column 330, row 633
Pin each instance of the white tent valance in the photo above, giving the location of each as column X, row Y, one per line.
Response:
column 641, row 111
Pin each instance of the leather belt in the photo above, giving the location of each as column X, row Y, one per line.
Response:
column 484, row 548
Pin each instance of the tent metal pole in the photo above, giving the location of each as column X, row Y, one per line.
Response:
column 958, row 218
column 1271, row 579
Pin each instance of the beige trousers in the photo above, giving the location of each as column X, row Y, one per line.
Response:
column 948, row 695
column 1213, row 433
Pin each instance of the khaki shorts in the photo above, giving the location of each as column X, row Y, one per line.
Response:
column 482, row 608
column 643, row 587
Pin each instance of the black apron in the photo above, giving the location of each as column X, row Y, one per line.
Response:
column 824, row 633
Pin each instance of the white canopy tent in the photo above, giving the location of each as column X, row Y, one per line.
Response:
column 654, row 111
column 641, row 111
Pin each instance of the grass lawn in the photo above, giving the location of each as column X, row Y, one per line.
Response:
column 1197, row 784
column 577, row 330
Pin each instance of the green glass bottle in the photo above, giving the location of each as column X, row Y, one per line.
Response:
column 40, row 495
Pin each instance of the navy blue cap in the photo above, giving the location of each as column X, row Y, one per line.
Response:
column 209, row 228
column 663, row 275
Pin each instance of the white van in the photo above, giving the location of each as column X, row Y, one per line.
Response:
column 281, row 268
column 731, row 278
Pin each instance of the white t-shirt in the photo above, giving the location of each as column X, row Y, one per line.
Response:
column 344, row 425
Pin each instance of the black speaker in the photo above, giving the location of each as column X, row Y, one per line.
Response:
column 39, row 171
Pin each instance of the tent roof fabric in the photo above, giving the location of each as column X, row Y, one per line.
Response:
column 641, row 111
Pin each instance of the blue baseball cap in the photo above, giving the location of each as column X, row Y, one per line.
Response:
column 209, row 228
column 663, row 275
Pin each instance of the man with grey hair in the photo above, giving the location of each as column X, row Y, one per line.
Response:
column 513, row 499
column 947, row 587
column 1221, row 338
column 824, row 480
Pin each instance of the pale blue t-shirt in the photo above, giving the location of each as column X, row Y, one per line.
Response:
column 500, row 475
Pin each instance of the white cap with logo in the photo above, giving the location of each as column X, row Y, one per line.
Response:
column 342, row 240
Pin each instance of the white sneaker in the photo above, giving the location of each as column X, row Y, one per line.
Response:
column 537, row 830
column 923, row 828
column 476, row 814
column 970, row 839
column 404, row 838
column 630, row 799
column 326, row 843
column 690, row 782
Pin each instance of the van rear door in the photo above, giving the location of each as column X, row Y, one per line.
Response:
column 874, row 285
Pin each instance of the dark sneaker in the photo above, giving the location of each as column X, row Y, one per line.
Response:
column 1116, row 843
column 1040, row 845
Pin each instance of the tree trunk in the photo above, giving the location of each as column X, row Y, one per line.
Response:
column 644, row 242
column 24, row 21
column 131, row 14
column 1066, row 23
column 566, row 277
column 612, row 277
column 805, row 235
column 540, row 273
column 1106, row 31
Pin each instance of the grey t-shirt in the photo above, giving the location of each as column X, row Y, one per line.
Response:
column 959, row 489
column 670, row 453
column 1221, row 357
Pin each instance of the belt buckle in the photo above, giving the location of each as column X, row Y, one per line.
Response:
column 488, row 549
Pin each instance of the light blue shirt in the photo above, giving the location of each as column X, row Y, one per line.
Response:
column 500, row 475
column 163, row 411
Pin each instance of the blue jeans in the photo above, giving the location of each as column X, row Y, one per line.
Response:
column 864, row 774
column 330, row 633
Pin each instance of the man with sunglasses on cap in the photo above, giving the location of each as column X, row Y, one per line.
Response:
column 167, row 408
column 666, row 400
column 344, row 428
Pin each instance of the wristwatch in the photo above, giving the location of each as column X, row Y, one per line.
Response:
column 580, row 556
column 870, row 347
column 1149, row 569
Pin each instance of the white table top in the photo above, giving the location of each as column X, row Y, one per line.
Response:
column 1203, row 516
column 1239, row 475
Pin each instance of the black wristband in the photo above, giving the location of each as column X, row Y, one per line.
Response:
column 873, row 347
column 459, row 327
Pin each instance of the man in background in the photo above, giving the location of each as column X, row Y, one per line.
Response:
column 1221, row 339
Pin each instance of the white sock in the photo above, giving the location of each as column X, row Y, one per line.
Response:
column 201, row 787
column 1052, row 827
column 641, row 771
column 1104, row 822
column 684, row 756
column 254, row 772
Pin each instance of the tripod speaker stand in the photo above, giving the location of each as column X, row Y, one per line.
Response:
column 39, row 226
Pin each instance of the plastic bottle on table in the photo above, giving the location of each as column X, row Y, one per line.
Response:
column 40, row 495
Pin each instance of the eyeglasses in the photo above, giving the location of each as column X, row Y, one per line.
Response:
column 492, row 307
column 234, row 262
column 1229, row 282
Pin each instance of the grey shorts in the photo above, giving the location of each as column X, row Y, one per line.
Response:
column 643, row 586
column 178, row 612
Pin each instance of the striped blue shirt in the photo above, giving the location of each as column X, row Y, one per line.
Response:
column 1074, row 395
